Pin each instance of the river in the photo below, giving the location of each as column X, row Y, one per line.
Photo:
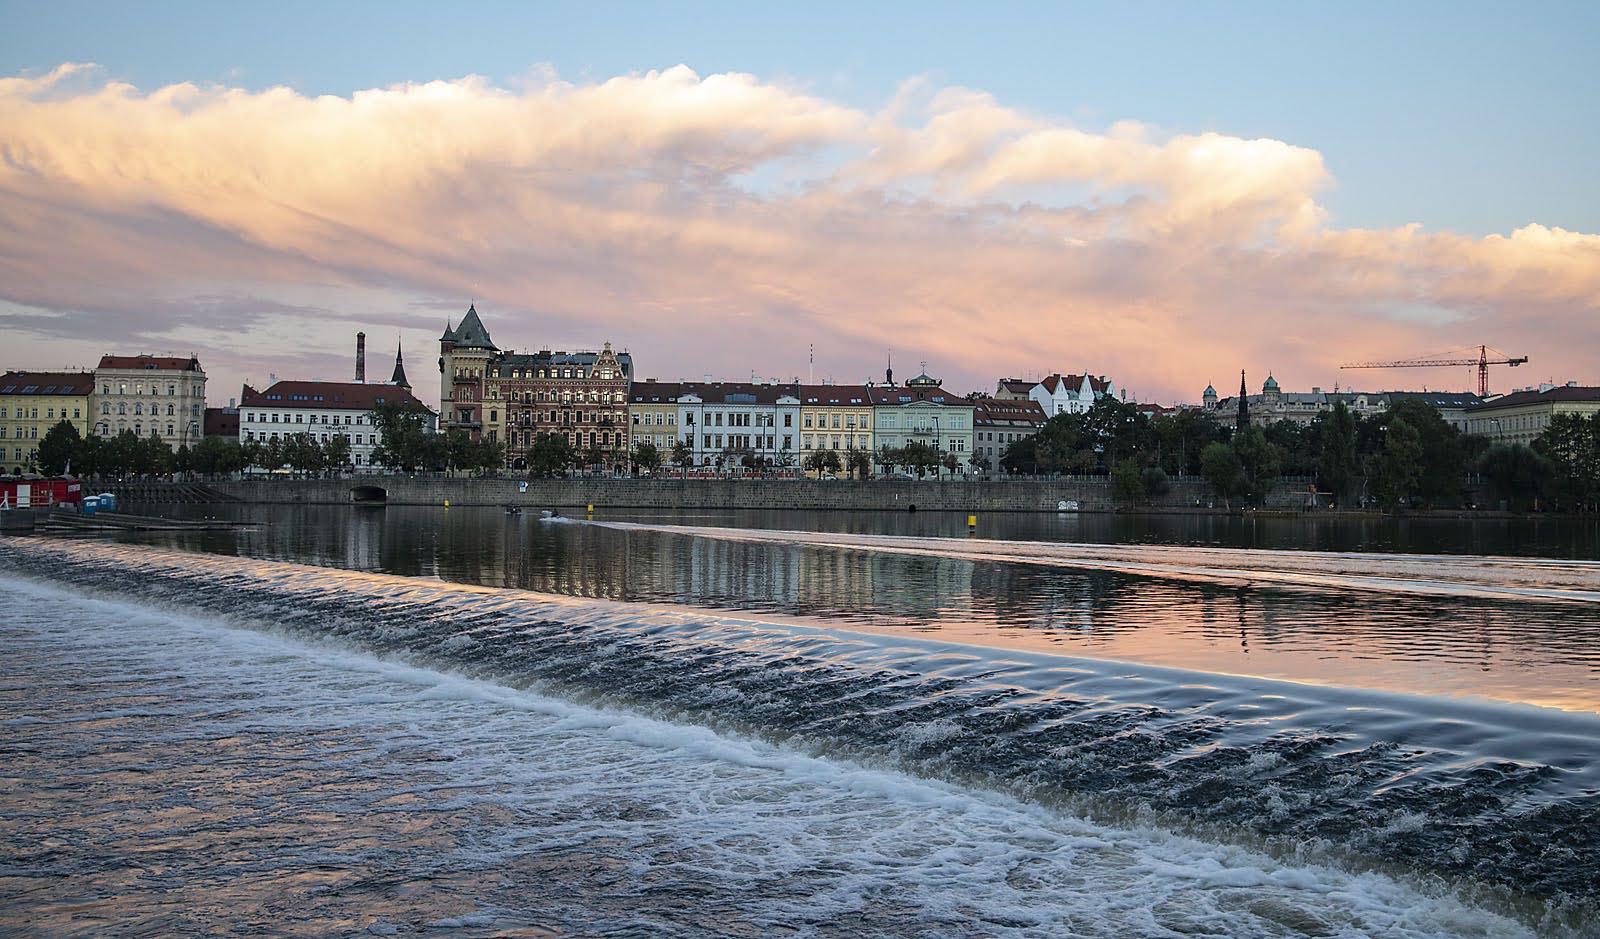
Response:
column 460, row 722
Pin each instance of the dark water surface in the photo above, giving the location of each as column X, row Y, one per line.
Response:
column 466, row 723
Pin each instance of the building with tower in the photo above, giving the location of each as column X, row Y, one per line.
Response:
column 511, row 398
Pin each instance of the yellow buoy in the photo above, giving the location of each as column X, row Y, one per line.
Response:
column 447, row 503
column 972, row 521
column 591, row 510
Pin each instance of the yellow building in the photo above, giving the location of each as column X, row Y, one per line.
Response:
column 33, row 402
column 835, row 417
column 1522, row 416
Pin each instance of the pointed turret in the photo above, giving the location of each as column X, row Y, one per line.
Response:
column 471, row 334
column 1244, row 404
column 399, row 377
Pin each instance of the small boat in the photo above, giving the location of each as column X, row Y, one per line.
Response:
column 549, row 513
column 513, row 510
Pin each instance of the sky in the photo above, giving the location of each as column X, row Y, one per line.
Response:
column 1162, row 193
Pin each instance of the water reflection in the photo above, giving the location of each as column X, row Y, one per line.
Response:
column 1543, row 653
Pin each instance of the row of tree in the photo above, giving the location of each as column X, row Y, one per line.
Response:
column 1408, row 456
column 407, row 445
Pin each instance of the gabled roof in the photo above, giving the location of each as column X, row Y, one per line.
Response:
column 471, row 334
column 837, row 396
column 324, row 395
column 165, row 363
column 68, row 384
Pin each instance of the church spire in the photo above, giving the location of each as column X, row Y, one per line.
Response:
column 1244, row 404
column 399, row 376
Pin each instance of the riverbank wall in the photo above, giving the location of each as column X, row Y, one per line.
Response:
column 1092, row 494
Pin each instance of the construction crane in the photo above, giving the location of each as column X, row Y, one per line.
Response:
column 1482, row 362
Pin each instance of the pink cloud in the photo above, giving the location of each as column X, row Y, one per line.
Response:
column 723, row 224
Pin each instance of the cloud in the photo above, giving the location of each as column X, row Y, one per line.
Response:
column 724, row 224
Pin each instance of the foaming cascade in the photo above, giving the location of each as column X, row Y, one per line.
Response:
column 1500, row 800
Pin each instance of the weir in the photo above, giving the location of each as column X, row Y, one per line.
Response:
column 1509, row 796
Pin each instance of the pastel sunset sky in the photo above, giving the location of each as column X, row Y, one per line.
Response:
column 1163, row 193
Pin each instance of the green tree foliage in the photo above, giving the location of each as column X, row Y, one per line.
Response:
column 1259, row 462
column 1441, row 463
column 336, row 453
column 61, row 445
column 646, row 456
column 1396, row 471
column 824, row 461
column 1219, row 464
column 1299, row 446
column 682, row 455
column 550, row 455
column 1572, row 445
column 1180, row 437
column 1156, row 482
column 303, row 454
column 1127, row 482
column 217, row 456
column 1517, row 474
column 1338, row 463
column 858, row 462
column 405, row 443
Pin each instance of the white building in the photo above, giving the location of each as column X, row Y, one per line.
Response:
column 719, row 419
column 1069, row 394
column 323, row 409
column 151, row 395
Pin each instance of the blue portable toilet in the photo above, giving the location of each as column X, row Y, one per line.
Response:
column 108, row 502
column 90, row 505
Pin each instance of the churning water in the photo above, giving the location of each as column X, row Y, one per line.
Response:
column 197, row 743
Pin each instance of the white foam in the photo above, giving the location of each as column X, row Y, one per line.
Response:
column 731, row 821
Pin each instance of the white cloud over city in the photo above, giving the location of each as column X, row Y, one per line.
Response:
column 724, row 224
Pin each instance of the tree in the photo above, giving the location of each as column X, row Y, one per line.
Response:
column 303, row 454
column 404, row 441
column 1127, row 484
column 858, row 462
column 336, row 453
column 951, row 463
column 1259, row 461
column 682, row 455
column 646, row 457
column 920, row 457
column 1337, row 461
column 216, row 456
column 1156, row 483
column 1517, row 473
column 183, row 461
column 1441, row 474
column 60, row 446
column 1180, row 437
column 458, row 450
column 550, row 455
column 1572, row 445
column 824, row 461
column 1299, row 446
column 979, row 462
column 1219, row 464
column 888, row 457
column 1398, row 469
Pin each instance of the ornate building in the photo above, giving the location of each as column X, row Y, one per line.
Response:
column 151, row 395
column 510, row 398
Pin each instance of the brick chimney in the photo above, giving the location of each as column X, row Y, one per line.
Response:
column 361, row 358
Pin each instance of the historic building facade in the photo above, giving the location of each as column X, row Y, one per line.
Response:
column 1274, row 404
column 33, row 402
column 510, row 398
column 1523, row 415
column 1067, row 394
column 322, row 409
column 998, row 422
column 920, row 411
column 151, row 395
column 836, row 417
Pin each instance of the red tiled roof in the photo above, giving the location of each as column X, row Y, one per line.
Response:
column 990, row 410
column 716, row 392
column 58, row 383
column 324, row 395
column 161, row 362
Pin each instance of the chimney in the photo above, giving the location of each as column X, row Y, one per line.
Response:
column 361, row 358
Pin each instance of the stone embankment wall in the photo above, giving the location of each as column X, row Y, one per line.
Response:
column 1013, row 495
